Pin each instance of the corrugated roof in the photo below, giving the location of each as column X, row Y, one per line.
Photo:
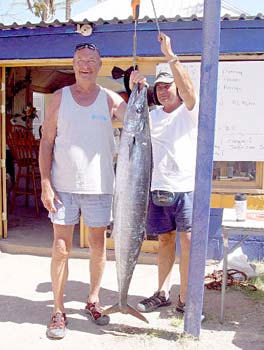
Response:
column 109, row 9
column 115, row 20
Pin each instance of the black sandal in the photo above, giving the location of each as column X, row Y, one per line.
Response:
column 180, row 307
column 155, row 301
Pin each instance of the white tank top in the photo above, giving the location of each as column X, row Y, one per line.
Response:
column 84, row 146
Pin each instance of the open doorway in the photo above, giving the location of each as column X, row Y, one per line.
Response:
column 29, row 89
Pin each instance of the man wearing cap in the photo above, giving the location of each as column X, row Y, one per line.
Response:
column 174, row 137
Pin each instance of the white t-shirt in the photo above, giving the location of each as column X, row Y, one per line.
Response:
column 174, row 139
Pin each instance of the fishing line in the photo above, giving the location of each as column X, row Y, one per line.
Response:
column 156, row 19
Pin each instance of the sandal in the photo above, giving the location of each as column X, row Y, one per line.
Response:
column 94, row 312
column 57, row 327
column 155, row 301
column 180, row 307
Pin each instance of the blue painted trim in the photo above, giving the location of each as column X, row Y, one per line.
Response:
column 38, row 31
column 116, row 40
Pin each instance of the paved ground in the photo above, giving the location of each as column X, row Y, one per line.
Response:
column 26, row 304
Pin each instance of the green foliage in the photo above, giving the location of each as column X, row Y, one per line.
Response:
column 176, row 321
column 42, row 8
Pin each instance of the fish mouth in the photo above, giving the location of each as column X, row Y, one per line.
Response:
column 137, row 111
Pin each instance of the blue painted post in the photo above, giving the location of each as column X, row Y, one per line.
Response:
column 204, row 166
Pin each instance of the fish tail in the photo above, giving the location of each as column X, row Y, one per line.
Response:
column 125, row 310
column 112, row 310
column 130, row 310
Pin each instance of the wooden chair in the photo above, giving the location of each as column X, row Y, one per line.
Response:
column 24, row 149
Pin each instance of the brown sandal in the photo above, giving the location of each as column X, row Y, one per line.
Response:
column 57, row 326
column 94, row 312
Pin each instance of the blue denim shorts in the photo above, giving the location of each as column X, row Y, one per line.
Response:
column 95, row 209
column 175, row 217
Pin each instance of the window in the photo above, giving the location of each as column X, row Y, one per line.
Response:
column 233, row 175
column 234, row 171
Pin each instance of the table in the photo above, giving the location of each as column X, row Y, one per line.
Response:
column 252, row 226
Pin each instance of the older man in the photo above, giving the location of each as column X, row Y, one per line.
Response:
column 76, row 165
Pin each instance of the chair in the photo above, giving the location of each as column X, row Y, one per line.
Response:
column 24, row 149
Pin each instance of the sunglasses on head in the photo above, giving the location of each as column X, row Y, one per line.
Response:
column 86, row 46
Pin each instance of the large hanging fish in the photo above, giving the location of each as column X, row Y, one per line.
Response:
column 133, row 176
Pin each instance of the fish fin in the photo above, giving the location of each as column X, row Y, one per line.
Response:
column 112, row 310
column 130, row 310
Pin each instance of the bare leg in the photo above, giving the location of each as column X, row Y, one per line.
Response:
column 97, row 246
column 62, row 244
column 166, row 259
column 185, row 240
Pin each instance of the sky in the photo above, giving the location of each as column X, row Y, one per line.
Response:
column 12, row 10
column 16, row 11
column 251, row 6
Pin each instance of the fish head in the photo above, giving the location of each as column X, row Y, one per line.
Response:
column 136, row 115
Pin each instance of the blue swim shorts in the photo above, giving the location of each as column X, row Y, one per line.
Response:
column 95, row 209
column 175, row 217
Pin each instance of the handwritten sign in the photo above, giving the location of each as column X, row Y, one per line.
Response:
column 239, row 134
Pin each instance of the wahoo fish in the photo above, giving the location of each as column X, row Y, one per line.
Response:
column 133, row 174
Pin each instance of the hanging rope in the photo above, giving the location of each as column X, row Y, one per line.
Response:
column 135, row 4
column 156, row 19
column 234, row 278
column 135, row 8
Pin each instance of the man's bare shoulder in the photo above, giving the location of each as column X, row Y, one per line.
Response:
column 54, row 102
column 116, row 103
column 57, row 94
column 110, row 92
column 114, row 97
column 56, row 97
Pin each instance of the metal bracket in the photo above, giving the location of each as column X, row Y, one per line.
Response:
column 84, row 29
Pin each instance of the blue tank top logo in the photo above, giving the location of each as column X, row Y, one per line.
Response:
column 99, row 117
